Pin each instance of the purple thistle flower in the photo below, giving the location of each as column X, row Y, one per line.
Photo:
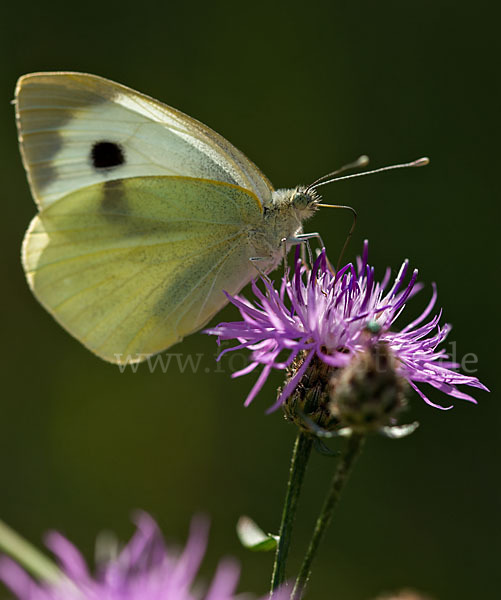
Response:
column 144, row 569
column 321, row 314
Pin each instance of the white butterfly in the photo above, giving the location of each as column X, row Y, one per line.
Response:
column 146, row 215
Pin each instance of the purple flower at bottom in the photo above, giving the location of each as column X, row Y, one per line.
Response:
column 144, row 570
column 319, row 313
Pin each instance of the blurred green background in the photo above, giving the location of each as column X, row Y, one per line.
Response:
column 301, row 88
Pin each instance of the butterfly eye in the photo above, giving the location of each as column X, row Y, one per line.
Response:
column 105, row 155
column 301, row 200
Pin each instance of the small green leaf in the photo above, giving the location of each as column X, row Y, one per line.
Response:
column 253, row 537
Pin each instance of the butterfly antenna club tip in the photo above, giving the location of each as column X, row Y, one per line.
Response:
column 420, row 162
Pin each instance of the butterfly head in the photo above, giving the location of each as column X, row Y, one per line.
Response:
column 297, row 204
column 305, row 201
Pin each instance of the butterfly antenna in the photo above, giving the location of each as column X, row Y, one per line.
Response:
column 420, row 162
column 362, row 161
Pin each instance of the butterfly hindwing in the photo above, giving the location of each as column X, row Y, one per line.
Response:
column 130, row 266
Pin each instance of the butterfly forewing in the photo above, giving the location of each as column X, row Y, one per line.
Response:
column 77, row 130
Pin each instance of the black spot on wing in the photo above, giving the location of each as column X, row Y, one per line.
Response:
column 106, row 155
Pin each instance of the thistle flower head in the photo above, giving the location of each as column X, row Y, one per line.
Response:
column 144, row 569
column 316, row 314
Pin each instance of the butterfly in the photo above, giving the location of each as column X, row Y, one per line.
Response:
column 146, row 216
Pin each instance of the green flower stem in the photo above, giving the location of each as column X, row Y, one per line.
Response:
column 300, row 456
column 352, row 449
column 27, row 555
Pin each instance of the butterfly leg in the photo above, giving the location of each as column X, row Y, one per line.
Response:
column 283, row 243
column 301, row 238
column 254, row 260
column 296, row 240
